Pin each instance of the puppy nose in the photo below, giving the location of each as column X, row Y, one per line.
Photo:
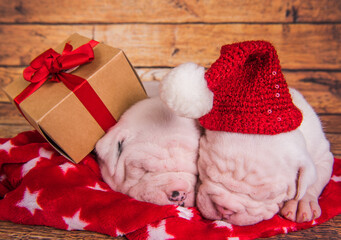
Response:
column 177, row 196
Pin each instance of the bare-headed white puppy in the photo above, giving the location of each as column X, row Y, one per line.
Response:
column 151, row 155
column 247, row 178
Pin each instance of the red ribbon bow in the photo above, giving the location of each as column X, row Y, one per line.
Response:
column 52, row 66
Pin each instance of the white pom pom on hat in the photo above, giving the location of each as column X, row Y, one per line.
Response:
column 184, row 90
column 243, row 91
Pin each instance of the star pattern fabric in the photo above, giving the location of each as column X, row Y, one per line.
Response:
column 158, row 232
column 219, row 223
column 30, row 201
column 65, row 167
column 185, row 213
column 6, row 146
column 29, row 165
column 2, row 177
column 119, row 233
column 38, row 186
column 336, row 178
column 43, row 153
column 98, row 187
column 75, row 222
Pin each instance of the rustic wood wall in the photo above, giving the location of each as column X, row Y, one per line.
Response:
column 157, row 35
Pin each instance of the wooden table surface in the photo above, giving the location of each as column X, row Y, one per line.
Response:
column 157, row 35
column 330, row 230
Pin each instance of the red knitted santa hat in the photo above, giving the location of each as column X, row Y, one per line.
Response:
column 250, row 94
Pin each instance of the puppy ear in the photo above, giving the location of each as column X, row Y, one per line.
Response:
column 110, row 147
column 306, row 177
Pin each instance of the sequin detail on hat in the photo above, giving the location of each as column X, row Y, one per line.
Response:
column 248, row 94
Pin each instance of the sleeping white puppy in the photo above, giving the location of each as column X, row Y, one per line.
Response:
column 257, row 157
column 151, row 155
column 246, row 178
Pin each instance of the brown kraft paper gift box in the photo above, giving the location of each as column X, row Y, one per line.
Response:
column 60, row 116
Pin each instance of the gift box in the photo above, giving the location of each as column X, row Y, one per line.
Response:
column 74, row 93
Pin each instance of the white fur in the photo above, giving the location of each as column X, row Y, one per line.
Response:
column 152, row 88
column 184, row 90
column 159, row 154
column 247, row 178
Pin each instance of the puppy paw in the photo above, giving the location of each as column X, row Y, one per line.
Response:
column 307, row 210
column 289, row 210
column 300, row 211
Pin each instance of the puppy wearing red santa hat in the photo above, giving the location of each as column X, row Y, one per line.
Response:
column 264, row 151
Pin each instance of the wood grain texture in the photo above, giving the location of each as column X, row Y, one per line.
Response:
column 331, row 123
column 10, row 230
column 14, row 124
column 10, row 115
column 11, row 130
column 175, row 11
column 321, row 89
column 157, row 35
column 330, row 230
column 335, row 144
column 170, row 45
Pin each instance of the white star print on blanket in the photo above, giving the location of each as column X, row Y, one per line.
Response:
column 98, row 187
column 40, row 187
column 30, row 201
column 43, row 153
column 75, row 222
column 185, row 213
column 219, row 223
column 336, row 178
column 159, row 232
column 7, row 146
column 66, row 167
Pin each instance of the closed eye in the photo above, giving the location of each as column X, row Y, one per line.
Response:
column 119, row 148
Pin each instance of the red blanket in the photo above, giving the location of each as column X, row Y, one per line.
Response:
column 40, row 187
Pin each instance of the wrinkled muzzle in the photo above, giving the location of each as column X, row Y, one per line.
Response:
column 216, row 202
column 166, row 188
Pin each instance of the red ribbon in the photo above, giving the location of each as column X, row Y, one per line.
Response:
column 51, row 66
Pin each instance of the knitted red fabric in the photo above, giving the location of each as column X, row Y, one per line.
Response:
column 250, row 92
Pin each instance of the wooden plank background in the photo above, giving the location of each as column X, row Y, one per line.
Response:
column 158, row 35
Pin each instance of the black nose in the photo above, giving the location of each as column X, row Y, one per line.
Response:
column 175, row 194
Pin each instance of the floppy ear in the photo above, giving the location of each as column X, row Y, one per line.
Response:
column 110, row 147
column 306, row 177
